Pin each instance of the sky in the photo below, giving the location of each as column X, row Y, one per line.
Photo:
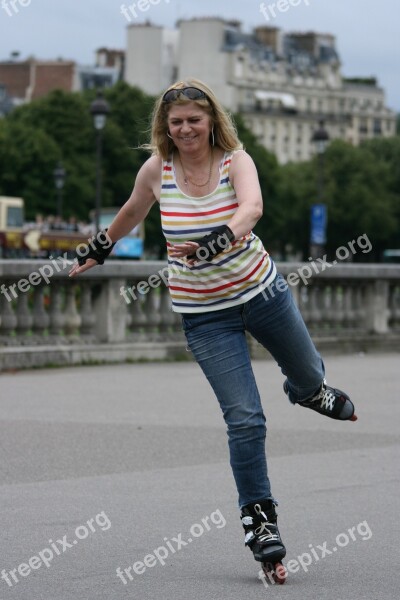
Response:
column 367, row 31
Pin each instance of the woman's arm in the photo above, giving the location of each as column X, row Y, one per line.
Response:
column 244, row 179
column 145, row 192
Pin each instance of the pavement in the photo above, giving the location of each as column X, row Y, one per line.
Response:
column 126, row 467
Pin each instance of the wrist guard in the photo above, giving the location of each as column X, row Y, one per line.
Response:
column 213, row 243
column 98, row 248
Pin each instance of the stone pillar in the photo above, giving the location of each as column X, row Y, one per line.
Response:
column 111, row 313
column 377, row 309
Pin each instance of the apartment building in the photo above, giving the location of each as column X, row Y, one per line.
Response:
column 30, row 79
column 25, row 80
column 282, row 83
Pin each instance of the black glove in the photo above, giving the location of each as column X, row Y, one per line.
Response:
column 213, row 243
column 98, row 248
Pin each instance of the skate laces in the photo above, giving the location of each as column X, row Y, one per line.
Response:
column 328, row 401
column 326, row 397
column 268, row 536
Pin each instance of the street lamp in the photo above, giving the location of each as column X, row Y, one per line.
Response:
column 59, row 174
column 318, row 211
column 99, row 110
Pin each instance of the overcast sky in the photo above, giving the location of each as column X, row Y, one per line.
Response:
column 367, row 31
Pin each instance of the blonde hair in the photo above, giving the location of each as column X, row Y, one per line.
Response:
column 225, row 133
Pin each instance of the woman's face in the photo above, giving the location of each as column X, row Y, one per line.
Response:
column 189, row 126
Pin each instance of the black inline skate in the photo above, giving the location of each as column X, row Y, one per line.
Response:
column 330, row 402
column 259, row 520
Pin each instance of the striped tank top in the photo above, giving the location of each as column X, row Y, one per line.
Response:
column 239, row 273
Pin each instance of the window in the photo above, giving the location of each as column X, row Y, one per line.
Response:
column 377, row 127
column 15, row 217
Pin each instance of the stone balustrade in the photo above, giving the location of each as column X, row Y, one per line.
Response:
column 94, row 317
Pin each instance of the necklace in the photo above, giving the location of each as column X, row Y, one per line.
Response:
column 186, row 179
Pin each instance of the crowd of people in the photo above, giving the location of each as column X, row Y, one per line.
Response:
column 52, row 223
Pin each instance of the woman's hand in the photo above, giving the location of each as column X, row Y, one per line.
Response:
column 77, row 269
column 184, row 249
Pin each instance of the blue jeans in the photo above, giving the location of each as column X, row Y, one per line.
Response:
column 218, row 342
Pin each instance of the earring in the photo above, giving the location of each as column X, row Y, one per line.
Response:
column 170, row 136
column 212, row 136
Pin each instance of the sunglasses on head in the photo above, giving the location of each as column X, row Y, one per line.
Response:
column 192, row 93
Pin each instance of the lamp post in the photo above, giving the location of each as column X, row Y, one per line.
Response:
column 318, row 211
column 99, row 110
column 59, row 174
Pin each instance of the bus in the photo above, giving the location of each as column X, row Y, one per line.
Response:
column 11, row 224
column 19, row 241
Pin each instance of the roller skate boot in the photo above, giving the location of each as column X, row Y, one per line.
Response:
column 259, row 520
column 330, row 402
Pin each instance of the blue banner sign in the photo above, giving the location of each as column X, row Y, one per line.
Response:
column 319, row 218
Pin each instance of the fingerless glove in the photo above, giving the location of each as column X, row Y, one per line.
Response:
column 213, row 243
column 99, row 247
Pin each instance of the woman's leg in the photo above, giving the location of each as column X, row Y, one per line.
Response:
column 218, row 342
column 275, row 321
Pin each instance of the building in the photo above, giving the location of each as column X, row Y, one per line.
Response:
column 108, row 70
column 282, row 83
column 30, row 79
column 26, row 80
column 151, row 59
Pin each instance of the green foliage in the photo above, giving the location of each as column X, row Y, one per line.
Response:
column 361, row 190
column 67, row 134
column 359, row 198
column 27, row 158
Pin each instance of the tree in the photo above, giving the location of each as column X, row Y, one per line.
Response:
column 357, row 192
column 387, row 151
column 27, row 157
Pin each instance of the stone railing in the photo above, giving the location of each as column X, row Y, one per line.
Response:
column 86, row 319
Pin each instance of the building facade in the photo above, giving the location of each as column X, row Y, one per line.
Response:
column 283, row 84
column 24, row 80
column 30, row 79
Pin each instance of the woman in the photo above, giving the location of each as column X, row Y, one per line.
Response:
column 224, row 283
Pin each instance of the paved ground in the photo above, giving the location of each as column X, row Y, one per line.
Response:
column 104, row 467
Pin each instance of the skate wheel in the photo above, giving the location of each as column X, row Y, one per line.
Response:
column 353, row 418
column 275, row 572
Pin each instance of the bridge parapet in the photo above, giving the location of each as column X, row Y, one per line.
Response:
column 121, row 311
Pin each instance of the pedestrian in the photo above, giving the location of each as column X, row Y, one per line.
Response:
column 224, row 283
